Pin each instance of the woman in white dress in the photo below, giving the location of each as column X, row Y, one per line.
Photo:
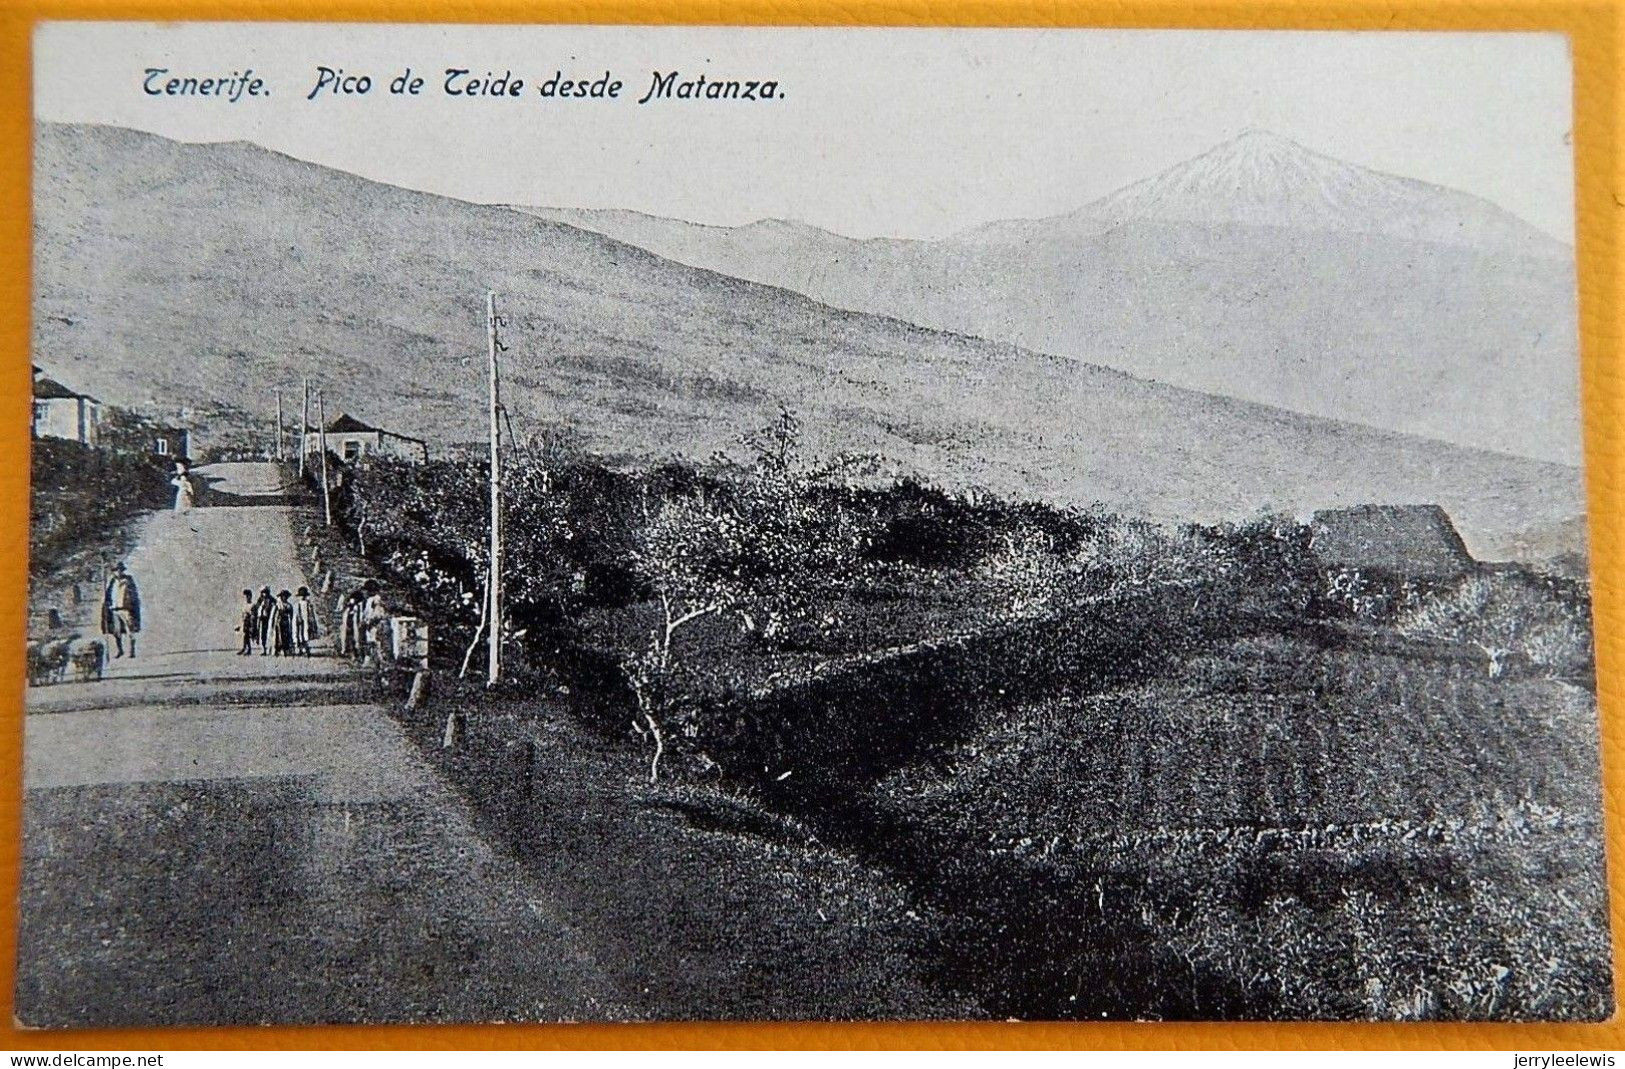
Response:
column 182, row 482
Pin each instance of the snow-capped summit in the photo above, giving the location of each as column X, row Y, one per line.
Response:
column 1263, row 179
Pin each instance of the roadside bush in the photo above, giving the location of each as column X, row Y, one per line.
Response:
column 81, row 495
column 1514, row 617
column 427, row 525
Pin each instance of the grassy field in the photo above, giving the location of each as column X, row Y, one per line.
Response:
column 1277, row 829
column 1286, row 822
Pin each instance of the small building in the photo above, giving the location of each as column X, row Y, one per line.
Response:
column 126, row 431
column 1406, row 540
column 171, row 442
column 130, row 434
column 351, row 440
column 60, row 412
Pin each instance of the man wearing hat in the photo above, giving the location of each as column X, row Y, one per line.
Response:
column 121, row 609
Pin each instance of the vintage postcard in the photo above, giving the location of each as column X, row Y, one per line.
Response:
column 602, row 523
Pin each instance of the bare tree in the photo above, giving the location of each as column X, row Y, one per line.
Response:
column 755, row 545
column 1505, row 616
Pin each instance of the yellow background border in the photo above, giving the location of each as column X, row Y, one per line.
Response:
column 1594, row 29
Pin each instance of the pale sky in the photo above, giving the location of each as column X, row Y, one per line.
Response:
column 905, row 133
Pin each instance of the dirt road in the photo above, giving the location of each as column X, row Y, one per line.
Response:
column 212, row 838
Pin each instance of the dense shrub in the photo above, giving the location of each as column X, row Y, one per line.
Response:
column 811, row 563
column 82, row 494
column 427, row 525
column 1514, row 617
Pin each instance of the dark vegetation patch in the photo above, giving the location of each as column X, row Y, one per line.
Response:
column 81, row 503
column 1123, row 770
column 82, row 494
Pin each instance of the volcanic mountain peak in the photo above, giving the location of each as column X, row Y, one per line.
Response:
column 1260, row 178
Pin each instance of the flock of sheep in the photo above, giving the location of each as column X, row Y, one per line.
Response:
column 50, row 661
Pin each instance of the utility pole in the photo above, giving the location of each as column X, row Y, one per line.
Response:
column 321, row 434
column 304, row 426
column 279, row 423
column 493, row 584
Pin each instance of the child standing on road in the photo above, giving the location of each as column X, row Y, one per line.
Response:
column 350, row 642
column 247, row 626
column 305, row 627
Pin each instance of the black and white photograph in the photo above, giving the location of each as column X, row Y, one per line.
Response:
column 566, row 523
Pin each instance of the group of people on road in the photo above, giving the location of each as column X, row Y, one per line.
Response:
column 283, row 624
column 363, row 622
column 279, row 625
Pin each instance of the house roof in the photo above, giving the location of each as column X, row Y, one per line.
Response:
column 344, row 423
column 49, row 389
column 1402, row 539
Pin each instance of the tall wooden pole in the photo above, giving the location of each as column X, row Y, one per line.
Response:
column 304, row 427
column 493, row 584
column 279, row 423
column 321, row 434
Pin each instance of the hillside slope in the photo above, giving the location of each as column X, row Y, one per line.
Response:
column 172, row 275
column 1259, row 269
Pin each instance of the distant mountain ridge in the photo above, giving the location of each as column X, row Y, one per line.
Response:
column 1259, row 269
column 172, row 275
